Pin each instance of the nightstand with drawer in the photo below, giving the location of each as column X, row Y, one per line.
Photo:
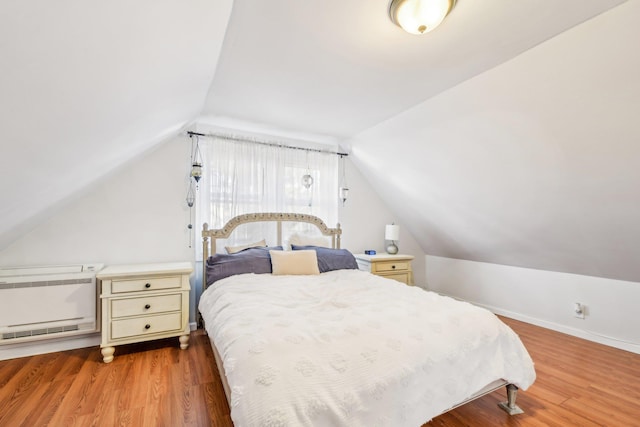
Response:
column 144, row 302
column 396, row 267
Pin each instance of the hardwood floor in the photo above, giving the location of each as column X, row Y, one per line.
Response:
column 579, row 383
column 156, row 384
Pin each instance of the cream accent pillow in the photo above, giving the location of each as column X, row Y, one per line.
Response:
column 236, row 249
column 294, row 262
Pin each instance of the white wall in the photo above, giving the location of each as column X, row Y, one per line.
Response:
column 86, row 86
column 533, row 163
column 545, row 298
column 363, row 218
column 138, row 214
column 135, row 215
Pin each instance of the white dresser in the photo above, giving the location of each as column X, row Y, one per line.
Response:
column 144, row 302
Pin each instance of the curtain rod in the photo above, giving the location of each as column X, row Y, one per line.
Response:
column 267, row 143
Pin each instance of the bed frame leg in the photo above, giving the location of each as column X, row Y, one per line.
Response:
column 510, row 406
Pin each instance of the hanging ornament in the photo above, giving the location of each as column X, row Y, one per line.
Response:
column 196, row 171
column 196, row 162
column 343, row 192
column 196, row 174
column 191, row 196
column 307, row 180
column 190, row 199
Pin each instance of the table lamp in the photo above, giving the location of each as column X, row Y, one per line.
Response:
column 392, row 233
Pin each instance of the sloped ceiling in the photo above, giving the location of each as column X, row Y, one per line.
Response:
column 508, row 165
column 340, row 67
column 86, row 86
column 530, row 163
column 535, row 163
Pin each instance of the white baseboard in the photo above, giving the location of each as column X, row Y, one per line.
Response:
column 13, row 351
column 580, row 333
column 25, row 349
column 545, row 298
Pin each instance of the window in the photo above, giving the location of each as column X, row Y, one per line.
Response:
column 244, row 177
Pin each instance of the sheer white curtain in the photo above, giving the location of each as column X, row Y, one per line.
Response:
column 243, row 177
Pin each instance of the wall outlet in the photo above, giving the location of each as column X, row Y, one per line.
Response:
column 579, row 310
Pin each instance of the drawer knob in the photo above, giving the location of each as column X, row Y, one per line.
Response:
column 147, row 306
column 393, row 267
column 147, row 285
column 147, row 326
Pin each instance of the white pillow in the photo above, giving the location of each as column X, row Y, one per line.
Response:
column 304, row 240
column 294, row 262
column 234, row 249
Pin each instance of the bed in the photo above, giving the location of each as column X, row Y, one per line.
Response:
column 343, row 346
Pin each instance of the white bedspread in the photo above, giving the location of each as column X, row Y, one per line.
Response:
column 347, row 348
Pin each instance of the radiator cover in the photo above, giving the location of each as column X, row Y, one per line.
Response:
column 48, row 302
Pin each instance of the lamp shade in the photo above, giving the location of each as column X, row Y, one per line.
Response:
column 392, row 232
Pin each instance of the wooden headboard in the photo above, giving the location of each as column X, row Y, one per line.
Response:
column 209, row 237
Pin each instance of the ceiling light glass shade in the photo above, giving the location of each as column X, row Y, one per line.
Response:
column 419, row 16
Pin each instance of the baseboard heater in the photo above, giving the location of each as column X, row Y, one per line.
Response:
column 48, row 302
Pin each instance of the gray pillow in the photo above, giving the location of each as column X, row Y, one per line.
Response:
column 252, row 260
column 331, row 259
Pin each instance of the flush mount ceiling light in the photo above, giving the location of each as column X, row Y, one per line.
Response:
column 419, row 16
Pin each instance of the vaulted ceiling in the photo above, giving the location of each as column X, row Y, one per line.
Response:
column 506, row 135
column 339, row 68
column 85, row 86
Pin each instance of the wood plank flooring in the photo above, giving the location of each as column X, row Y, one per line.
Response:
column 579, row 383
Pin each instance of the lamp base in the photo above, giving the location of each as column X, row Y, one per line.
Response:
column 392, row 249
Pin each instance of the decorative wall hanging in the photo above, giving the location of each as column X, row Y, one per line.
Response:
column 196, row 160
column 191, row 198
column 307, row 179
column 343, row 192
column 195, row 173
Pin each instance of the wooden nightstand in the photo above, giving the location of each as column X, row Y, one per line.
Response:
column 397, row 267
column 144, row 302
